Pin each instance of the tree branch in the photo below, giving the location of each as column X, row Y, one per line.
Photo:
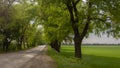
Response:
column 70, row 9
column 85, row 29
column 75, row 12
column 87, row 22
column 77, row 2
column 98, row 19
column 10, row 3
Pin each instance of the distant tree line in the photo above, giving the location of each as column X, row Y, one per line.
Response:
column 97, row 44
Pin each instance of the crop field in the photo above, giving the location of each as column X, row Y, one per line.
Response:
column 93, row 57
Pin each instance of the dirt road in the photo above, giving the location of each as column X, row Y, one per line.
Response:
column 33, row 58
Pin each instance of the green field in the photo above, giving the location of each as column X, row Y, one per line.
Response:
column 93, row 57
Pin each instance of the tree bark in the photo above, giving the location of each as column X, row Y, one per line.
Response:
column 71, row 5
column 77, row 44
column 19, row 46
column 55, row 45
column 74, row 20
column 6, row 44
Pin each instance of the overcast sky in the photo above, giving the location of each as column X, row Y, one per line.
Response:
column 101, row 40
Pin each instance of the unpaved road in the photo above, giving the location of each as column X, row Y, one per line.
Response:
column 33, row 58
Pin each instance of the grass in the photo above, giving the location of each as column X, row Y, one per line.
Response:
column 93, row 57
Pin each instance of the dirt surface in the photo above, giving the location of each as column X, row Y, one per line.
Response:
column 32, row 58
column 41, row 61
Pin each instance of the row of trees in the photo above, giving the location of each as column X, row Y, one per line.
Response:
column 18, row 27
column 62, row 19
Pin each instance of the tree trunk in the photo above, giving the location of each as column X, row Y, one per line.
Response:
column 77, row 44
column 55, row 45
column 78, row 36
column 6, row 44
column 74, row 23
column 20, row 41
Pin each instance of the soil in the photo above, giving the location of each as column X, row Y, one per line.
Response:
column 42, row 60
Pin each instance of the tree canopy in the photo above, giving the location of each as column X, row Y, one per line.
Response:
column 83, row 17
column 59, row 20
column 18, row 27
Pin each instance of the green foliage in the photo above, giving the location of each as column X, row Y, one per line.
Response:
column 82, row 18
column 101, row 15
column 19, row 20
column 54, row 21
column 18, row 24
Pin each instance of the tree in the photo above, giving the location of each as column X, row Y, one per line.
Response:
column 26, row 25
column 113, row 8
column 87, row 16
column 74, row 20
column 53, row 23
column 15, row 23
column 6, row 19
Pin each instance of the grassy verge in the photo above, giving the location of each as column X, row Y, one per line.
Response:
column 93, row 57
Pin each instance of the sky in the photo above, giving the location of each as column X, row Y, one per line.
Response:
column 101, row 40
